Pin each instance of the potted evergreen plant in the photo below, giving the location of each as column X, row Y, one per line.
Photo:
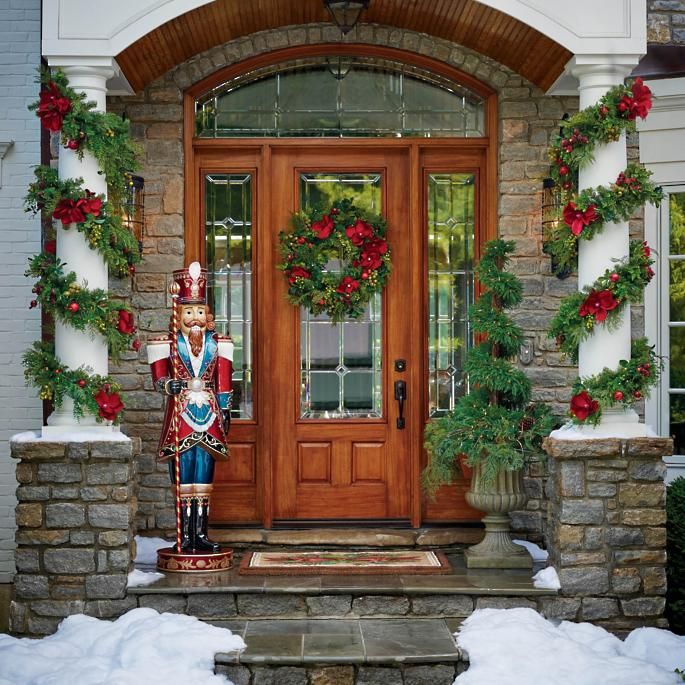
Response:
column 494, row 428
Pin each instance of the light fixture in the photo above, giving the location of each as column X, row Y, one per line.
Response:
column 551, row 215
column 339, row 66
column 133, row 207
column 346, row 13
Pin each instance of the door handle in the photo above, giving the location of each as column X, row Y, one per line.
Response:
column 400, row 396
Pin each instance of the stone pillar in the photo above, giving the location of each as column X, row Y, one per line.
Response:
column 605, row 348
column 81, row 348
column 75, row 534
column 606, row 527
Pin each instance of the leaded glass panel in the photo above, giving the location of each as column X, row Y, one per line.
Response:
column 340, row 96
column 228, row 230
column 340, row 366
column 451, row 226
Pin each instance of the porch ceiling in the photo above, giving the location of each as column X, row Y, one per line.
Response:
column 466, row 22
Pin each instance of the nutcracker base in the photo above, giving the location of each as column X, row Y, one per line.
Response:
column 184, row 562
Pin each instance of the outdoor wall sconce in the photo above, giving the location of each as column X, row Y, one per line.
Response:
column 133, row 207
column 4, row 146
column 551, row 215
column 346, row 13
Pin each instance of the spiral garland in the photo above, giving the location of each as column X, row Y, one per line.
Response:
column 105, row 135
column 584, row 215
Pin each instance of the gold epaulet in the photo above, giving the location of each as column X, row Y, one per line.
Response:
column 159, row 340
column 221, row 336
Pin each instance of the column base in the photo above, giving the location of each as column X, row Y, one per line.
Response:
column 98, row 431
column 615, row 423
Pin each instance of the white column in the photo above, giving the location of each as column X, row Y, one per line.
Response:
column 72, row 347
column 604, row 347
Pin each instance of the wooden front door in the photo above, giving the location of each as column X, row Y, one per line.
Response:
column 337, row 450
column 315, row 438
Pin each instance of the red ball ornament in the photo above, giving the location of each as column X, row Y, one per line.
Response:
column 614, row 277
column 73, row 307
column 322, row 302
column 81, row 383
column 365, row 275
column 563, row 170
column 637, row 395
column 618, row 396
column 73, row 144
column 58, row 371
column 300, row 241
column 33, row 304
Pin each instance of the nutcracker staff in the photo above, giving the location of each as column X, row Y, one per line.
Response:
column 193, row 368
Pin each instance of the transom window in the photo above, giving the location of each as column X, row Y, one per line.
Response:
column 340, row 96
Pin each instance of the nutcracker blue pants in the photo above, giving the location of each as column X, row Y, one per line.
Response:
column 197, row 466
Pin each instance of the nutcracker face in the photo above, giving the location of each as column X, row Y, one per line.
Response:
column 193, row 316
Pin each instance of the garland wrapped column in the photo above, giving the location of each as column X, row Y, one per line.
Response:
column 73, row 347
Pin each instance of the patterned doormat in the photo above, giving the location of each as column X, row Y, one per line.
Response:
column 343, row 563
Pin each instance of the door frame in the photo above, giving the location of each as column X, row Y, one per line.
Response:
column 198, row 153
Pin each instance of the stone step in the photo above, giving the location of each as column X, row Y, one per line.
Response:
column 344, row 652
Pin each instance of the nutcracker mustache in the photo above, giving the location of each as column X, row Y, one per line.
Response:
column 195, row 338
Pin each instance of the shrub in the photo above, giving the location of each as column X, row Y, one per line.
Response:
column 675, row 597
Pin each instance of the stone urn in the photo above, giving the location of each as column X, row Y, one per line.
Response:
column 497, row 498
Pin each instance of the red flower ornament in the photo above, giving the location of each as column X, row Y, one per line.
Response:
column 642, row 100
column 126, row 323
column 598, row 304
column 51, row 246
column 583, row 406
column 359, row 232
column 370, row 260
column 52, row 107
column 110, row 404
column 377, row 245
column 298, row 272
column 578, row 219
column 347, row 286
column 91, row 204
column 68, row 212
column 323, row 228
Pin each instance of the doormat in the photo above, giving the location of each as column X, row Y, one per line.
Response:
column 343, row 563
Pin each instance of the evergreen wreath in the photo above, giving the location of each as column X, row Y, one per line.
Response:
column 106, row 136
column 602, row 302
column 495, row 424
column 318, row 237
column 584, row 215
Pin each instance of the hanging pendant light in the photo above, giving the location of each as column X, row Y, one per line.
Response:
column 346, row 13
column 338, row 66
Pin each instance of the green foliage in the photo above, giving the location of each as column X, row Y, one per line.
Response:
column 104, row 233
column 495, row 424
column 631, row 276
column 81, row 308
column 634, row 379
column 307, row 255
column 675, row 544
column 44, row 370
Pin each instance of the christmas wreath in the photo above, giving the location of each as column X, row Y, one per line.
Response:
column 335, row 260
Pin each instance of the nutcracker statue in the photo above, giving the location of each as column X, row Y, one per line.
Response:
column 193, row 368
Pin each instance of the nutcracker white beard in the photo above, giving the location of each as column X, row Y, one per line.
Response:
column 196, row 338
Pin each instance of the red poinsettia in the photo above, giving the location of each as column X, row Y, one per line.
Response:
column 110, row 404
column 69, row 212
column 90, row 204
column 598, row 304
column 646, row 250
column 582, row 405
column 377, row 244
column 370, row 259
column 52, row 107
column 578, row 219
column 359, row 232
column 126, row 324
column 297, row 272
column 323, row 228
column 347, row 286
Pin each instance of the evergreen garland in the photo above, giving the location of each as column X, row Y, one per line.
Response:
column 495, row 424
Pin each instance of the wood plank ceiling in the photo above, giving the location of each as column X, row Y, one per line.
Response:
column 466, row 22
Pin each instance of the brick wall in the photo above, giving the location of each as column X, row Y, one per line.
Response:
column 527, row 119
column 666, row 22
column 19, row 238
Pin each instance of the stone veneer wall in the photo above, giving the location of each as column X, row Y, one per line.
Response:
column 74, row 531
column 666, row 22
column 527, row 119
column 607, row 529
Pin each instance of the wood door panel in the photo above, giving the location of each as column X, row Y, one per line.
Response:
column 359, row 501
column 368, row 462
column 314, row 462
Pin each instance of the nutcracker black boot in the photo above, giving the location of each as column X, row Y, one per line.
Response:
column 187, row 521
column 201, row 542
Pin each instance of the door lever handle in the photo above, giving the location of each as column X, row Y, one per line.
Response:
column 400, row 396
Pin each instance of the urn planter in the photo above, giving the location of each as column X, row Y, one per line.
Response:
column 497, row 498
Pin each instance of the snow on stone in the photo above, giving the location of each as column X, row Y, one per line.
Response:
column 547, row 578
column 146, row 550
column 520, row 647
column 536, row 552
column 72, row 436
column 141, row 647
column 571, row 431
column 138, row 578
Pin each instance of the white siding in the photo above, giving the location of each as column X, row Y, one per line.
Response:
column 20, row 410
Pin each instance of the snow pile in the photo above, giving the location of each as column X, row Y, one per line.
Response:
column 519, row 647
column 571, row 431
column 115, row 435
column 140, row 647
column 547, row 578
column 536, row 552
column 146, row 550
column 138, row 578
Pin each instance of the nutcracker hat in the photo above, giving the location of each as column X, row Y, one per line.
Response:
column 191, row 284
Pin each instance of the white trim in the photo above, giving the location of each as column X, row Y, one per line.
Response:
column 226, row 349
column 158, row 349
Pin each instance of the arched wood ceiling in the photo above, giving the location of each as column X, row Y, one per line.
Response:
column 466, row 22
